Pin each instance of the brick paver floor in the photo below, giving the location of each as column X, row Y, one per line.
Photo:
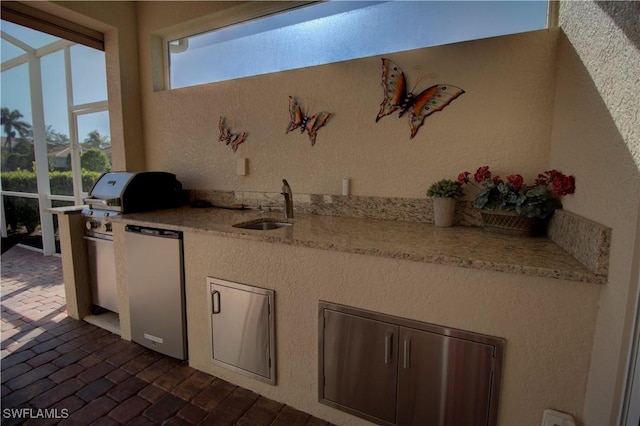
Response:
column 55, row 366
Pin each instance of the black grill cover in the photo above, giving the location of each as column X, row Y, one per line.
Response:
column 137, row 192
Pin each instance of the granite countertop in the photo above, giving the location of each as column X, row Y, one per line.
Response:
column 460, row 246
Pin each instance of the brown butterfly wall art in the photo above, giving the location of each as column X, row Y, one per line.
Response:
column 233, row 139
column 394, row 86
column 304, row 122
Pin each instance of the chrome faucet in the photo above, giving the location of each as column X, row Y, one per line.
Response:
column 288, row 199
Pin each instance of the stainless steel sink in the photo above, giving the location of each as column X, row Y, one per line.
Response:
column 264, row 224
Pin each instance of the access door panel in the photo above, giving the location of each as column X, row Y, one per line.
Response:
column 242, row 328
column 360, row 364
column 443, row 380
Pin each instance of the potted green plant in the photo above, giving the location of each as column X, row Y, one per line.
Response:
column 444, row 193
column 509, row 206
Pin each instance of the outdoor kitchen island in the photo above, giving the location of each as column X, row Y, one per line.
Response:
column 529, row 292
column 543, row 306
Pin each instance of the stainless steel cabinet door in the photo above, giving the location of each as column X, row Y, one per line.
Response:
column 443, row 380
column 360, row 365
column 242, row 328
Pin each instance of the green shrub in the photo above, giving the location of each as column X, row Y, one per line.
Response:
column 24, row 211
column 95, row 160
column 19, row 181
column 17, row 161
column 61, row 182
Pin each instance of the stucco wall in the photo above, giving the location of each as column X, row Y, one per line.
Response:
column 547, row 323
column 596, row 135
column 503, row 119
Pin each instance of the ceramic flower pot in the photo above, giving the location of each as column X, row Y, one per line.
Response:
column 443, row 211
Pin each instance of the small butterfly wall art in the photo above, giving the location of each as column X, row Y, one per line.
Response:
column 420, row 106
column 306, row 123
column 233, row 139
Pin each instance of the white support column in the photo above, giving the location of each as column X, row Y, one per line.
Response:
column 40, row 152
column 75, row 153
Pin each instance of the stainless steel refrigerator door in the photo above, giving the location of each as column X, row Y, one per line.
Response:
column 442, row 380
column 360, row 365
column 242, row 324
column 156, row 293
column 102, row 270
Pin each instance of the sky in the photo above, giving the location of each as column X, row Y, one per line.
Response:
column 88, row 76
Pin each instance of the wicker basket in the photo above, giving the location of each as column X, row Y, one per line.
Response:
column 509, row 222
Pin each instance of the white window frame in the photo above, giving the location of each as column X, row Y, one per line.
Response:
column 161, row 48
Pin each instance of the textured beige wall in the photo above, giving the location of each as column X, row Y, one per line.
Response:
column 503, row 119
column 596, row 135
column 548, row 324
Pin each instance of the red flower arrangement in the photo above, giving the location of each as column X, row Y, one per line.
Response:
column 538, row 200
column 559, row 183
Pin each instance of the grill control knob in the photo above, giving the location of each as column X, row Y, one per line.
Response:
column 91, row 224
column 106, row 227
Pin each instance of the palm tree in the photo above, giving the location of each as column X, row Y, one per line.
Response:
column 95, row 140
column 55, row 139
column 12, row 124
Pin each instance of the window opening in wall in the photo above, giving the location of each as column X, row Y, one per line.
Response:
column 333, row 31
column 55, row 130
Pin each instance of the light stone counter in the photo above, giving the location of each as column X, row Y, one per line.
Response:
column 466, row 247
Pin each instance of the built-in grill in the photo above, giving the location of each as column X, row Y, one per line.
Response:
column 113, row 194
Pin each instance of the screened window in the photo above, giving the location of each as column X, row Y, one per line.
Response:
column 55, row 129
column 334, row 31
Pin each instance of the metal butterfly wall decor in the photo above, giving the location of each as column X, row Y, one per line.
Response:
column 394, row 86
column 233, row 139
column 310, row 124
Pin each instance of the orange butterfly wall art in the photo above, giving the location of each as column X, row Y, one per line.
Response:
column 233, row 139
column 305, row 123
column 420, row 106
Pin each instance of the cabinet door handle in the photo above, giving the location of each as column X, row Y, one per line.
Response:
column 406, row 362
column 215, row 302
column 388, row 347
